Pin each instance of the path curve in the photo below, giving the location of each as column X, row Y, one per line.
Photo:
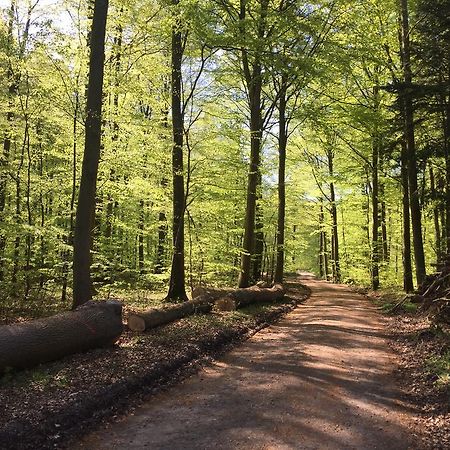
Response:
column 322, row 378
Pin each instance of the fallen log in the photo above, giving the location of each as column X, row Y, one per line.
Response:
column 231, row 299
column 94, row 324
column 243, row 295
column 254, row 294
column 152, row 318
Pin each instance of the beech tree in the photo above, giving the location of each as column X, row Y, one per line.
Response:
column 82, row 282
column 177, row 280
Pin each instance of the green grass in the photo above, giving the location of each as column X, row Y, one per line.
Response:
column 388, row 297
column 37, row 377
column 439, row 365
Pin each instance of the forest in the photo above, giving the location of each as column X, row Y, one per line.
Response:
column 221, row 142
column 191, row 155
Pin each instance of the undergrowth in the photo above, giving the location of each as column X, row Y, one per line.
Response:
column 439, row 365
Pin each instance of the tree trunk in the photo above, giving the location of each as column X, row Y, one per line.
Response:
column 447, row 175
column 437, row 227
column 177, row 289
column 141, row 254
column 203, row 303
column 82, row 282
column 4, row 160
column 408, row 284
column 384, row 232
column 408, row 113
column 375, row 216
column 69, row 237
column 258, row 249
column 282, row 144
column 156, row 317
column 253, row 175
column 323, row 243
column 94, row 324
column 335, row 233
column 253, row 80
column 321, row 259
column 247, row 296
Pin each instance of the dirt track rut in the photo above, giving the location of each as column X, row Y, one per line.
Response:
column 322, row 378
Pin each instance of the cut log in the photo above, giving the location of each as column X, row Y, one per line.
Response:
column 253, row 294
column 153, row 318
column 225, row 304
column 232, row 298
column 94, row 324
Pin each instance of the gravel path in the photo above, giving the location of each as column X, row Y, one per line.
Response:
column 322, row 378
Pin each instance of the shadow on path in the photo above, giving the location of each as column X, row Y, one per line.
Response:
column 319, row 379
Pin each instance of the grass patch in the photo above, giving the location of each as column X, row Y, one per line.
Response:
column 439, row 365
column 386, row 299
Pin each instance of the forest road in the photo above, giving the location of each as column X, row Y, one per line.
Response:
column 321, row 378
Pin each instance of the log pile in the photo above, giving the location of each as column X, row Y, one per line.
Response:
column 92, row 325
column 152, row 318
column 434, row 293
column 205, row 299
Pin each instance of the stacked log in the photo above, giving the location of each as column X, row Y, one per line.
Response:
column 152, row 318
column 205, row 300
column 92, row 325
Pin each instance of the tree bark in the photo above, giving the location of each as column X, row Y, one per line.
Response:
column 253, row 80
column 323, row 243
column 141, row 224
column 384, row 232
column 177, row 289
column 282, row 144
column 247, row 296
column 156, row 317
column 408, row 284
column 4, row 160
column 203, row 303
column 447, row 175
column 92, row 325
column 82, row 282
column 334, row 219
column 375, row 216
column 408, row 113
column 437, row 226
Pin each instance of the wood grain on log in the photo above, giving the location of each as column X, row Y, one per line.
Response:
column 152, row 318
column 94, row 324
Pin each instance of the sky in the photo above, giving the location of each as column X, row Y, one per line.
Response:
column 43, row 9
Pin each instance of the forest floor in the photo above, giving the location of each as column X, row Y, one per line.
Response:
column 324, row 377
column 334, row 373
column 49, row 405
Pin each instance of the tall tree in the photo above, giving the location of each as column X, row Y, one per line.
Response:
column 177, row 289
column 282, row 145
column 406, row 100
column 82, row 282
column 253, row 75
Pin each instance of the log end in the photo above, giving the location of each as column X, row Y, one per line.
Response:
column 225, row 304
column 136, row 323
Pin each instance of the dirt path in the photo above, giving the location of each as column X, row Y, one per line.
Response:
column 319, row 379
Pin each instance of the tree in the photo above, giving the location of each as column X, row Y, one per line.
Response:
column 432, row 51
column 82, row 282
column 177, row 281
column 406, row 102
